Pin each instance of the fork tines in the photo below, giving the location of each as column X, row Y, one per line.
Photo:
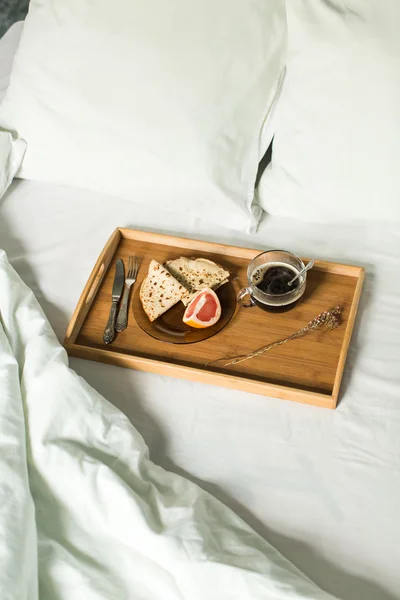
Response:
column 133, row 267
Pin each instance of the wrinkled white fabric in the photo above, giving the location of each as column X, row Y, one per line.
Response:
column 84, row 513
column 12, row 148
column 12, row 151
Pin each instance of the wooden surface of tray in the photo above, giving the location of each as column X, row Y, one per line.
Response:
column 307, row 369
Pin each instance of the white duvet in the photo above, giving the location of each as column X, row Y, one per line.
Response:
column 84, row 513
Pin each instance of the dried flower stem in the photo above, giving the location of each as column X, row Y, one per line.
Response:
column 326, row 321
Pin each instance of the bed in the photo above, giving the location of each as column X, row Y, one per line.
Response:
column 323, row 487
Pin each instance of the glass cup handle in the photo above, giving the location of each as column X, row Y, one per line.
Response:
column 245, row 292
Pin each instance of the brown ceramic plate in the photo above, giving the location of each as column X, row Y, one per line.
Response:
column 169, row 327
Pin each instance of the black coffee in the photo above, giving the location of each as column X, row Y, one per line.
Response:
column 275, row 279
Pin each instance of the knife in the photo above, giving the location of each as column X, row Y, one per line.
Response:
column 118, row 286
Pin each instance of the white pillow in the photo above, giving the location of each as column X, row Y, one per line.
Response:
column 8, row 47
column 336, row 150
column 130, row 97
column 11, row 150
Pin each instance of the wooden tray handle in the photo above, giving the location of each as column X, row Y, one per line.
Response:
column 91, row 288
column 94, row 287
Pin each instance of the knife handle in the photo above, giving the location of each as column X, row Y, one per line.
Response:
column 109, row 331
column 122, row 319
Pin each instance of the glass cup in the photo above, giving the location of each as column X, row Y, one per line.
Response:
column 275, row 302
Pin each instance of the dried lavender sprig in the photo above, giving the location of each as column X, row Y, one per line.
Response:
column 325, row 321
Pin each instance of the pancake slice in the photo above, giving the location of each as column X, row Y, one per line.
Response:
column 159, row 291
column 196, row 274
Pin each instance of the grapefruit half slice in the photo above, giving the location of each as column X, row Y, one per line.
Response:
column 204, row 310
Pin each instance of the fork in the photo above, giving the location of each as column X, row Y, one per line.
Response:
column 133, row 267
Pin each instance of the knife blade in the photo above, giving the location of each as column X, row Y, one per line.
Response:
column 117, row 289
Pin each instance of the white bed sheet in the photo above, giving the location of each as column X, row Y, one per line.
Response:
column 322, row 486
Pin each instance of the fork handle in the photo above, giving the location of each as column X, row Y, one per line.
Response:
column 109, row 330
column 122, row 320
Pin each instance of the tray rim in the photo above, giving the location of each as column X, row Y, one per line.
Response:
column 231, row 381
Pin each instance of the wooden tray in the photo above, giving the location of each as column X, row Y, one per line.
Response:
column 306, row 370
